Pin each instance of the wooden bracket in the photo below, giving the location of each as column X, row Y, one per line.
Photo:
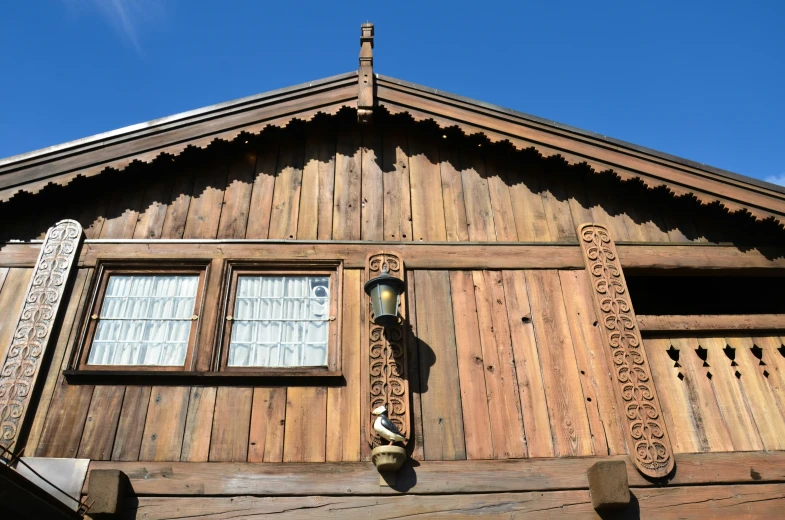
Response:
column 608, row 485
column 388, row 383
column 647, row 438
column 108, row 489
column 366, row 94
column 33, row 331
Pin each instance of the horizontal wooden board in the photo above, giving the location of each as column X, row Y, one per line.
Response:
column 354, row 254
column 424, row 255
column 429, row 477
column 719, row 322
column 717, row 502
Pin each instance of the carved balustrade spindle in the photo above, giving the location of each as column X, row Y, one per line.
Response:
column 388, row 385
column 22, row 364
column 647, row 438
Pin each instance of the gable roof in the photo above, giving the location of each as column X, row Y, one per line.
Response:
column 143, row 142
column 30, row 172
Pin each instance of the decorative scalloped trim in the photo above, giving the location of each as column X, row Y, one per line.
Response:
column 677, row 190
column 173, row 151
column 731, row 207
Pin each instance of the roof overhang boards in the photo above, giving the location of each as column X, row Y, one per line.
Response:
column 708, row 185
column 365, row 94
column 143, row 143
column 199, row 128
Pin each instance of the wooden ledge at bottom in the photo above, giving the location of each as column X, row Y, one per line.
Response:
column 428, row 477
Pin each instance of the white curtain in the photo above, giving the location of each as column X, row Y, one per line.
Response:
column 145, row 320
column 280, row 321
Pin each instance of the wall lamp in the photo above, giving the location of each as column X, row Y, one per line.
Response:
column 385, row 292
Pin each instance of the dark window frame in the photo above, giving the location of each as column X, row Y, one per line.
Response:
column 236, row 268
column 104, row 270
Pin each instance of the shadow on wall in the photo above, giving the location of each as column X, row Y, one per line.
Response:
column 631, row 512
column 338, row 180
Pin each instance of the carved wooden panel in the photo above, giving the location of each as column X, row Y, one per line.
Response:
column 388, row 384
column 33, row 330
column 647, row 437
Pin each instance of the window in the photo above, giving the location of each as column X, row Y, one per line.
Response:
column 143, row 318
column 258, row 320
column 281, row 319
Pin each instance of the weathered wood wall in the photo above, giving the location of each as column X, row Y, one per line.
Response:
column 503, row 364
column 532, row 381
column 396, row 180
column 721, row 393
column 13, row 284
column 716, row 502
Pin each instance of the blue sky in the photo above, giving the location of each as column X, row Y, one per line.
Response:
column 703, row 80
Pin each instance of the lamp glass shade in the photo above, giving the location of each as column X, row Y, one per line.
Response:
column 385, row 292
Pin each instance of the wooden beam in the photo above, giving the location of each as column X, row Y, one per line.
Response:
column 429, row 477
column 420, row 255
column 700, row 256
column 719, row 322
column 19, row 254
column 715, row 502
column 354, row 254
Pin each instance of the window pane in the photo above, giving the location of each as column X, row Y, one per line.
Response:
column 145, row 320
column 280, row 321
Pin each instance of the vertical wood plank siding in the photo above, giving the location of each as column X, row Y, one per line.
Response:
column 198, row 425
column 12, row 292
column 502, row 364
column 505, row 366
column 442, row 417
column 338, row 181
column 231, row 424
column 721, row 393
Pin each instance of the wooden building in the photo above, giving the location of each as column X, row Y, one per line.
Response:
column 183, row 301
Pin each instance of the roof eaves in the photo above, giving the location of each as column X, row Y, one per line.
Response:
column 610, row 140
column 182, row 116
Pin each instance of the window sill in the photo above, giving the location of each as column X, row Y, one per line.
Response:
column 269, row 377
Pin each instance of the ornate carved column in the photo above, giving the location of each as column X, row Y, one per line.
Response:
column 388, row 385
column 647, row 437
column 33, row 331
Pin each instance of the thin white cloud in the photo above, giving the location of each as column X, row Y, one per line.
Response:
column 120, row 13
column 125, row 16
column 776, row 179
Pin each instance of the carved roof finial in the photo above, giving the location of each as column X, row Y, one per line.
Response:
column 365, row 96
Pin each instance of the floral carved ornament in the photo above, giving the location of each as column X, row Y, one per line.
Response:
column 388, row 384
column 33, row 330
column 647, row 437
